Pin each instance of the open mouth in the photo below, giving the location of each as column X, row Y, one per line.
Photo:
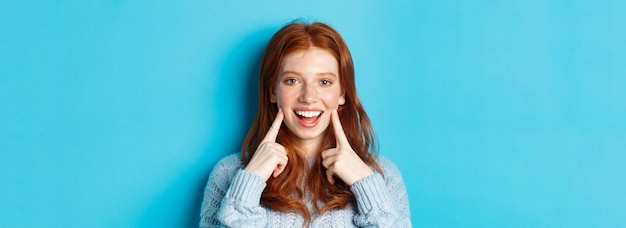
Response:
column 308, row 118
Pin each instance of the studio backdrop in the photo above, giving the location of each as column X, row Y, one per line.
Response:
column 497, row 113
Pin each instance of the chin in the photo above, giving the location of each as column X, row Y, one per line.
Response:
column 307, row 133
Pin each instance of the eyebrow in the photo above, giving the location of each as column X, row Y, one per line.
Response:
column 299, row 74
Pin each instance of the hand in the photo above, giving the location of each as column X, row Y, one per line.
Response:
column 342, row 161
column 270, row 157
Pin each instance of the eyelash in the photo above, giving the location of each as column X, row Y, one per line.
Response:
column 293, row 81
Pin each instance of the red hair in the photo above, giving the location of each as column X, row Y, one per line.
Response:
column 285, row 193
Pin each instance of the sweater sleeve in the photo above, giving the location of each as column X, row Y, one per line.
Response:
column 382, row 202
column 231, row 196
column 241, row 207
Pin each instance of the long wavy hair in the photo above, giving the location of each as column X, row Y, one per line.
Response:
column 285, row 193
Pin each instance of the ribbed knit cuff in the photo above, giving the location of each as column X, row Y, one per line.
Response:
column 246, row 187
column 371, row 193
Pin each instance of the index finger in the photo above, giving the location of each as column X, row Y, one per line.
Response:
column 340, row 135
column 272, row 133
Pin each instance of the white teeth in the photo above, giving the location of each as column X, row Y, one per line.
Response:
column 308, row 113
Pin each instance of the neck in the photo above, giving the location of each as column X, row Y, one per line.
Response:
column 311, row 147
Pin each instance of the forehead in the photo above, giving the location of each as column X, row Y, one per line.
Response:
column 312, row 60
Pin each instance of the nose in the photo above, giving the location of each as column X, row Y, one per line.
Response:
column 308, row 94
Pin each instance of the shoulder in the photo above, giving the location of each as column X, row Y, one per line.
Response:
column 390, row 170
column 385, row 163
column 233, row 159
column 228, row 165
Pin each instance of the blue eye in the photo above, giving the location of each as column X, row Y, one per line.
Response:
column 291, row 81
column 326, row 82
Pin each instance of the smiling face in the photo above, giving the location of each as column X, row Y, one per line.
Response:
column 307, row 90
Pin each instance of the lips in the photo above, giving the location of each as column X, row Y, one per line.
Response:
column 308, row 118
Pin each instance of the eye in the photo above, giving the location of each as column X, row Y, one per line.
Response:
column 291, row 81
column 326, row 82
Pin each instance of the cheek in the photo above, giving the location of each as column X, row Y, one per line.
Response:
column 284, row 97
column 331, row 100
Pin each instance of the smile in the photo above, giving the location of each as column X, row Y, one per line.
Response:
column 308, row 119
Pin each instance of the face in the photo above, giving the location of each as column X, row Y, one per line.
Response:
column 307, row 90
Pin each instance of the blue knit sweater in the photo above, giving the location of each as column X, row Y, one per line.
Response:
column 232, row 196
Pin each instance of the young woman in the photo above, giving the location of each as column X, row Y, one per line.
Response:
column 309, row 158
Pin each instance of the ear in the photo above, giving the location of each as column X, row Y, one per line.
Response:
column 342, row 98
column 273, row 96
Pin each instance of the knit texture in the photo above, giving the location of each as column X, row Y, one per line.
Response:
column 232, row 196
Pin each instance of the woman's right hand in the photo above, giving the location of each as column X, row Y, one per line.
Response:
column 270, row 157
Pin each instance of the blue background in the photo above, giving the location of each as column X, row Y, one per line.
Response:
column 498, row 113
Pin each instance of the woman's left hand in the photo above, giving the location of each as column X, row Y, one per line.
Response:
column 342, row 161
